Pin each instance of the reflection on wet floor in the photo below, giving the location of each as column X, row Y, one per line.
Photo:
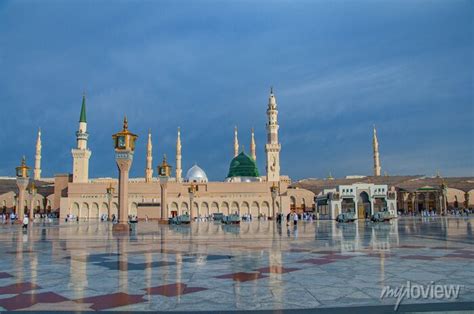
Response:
column 209, row 266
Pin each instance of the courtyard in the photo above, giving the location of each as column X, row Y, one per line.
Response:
column 258, row 265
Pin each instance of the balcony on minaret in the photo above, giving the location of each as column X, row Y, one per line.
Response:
column 80, row 135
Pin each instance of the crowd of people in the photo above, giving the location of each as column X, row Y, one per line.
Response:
column 433, row 213
column 12, row 217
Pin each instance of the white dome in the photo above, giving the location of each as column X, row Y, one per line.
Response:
column 196, row 174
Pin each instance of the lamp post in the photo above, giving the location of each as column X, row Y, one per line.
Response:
column 444, row 191
column 164, row 172
column 192, row 191
column 15, row 204
column 274, row 192
column 22, row 180
column 124, row 144
column 466, row 200
column 33, row 191
column 110, row 196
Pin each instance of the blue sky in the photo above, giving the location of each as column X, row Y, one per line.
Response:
column 337, row 68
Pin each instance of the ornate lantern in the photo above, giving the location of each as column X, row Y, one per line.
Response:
column 124, row 140
column 164, row 170
column 23, row 170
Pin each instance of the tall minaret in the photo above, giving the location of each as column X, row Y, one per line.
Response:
column 375, row 144
column 149, row 159
column 179, row 171
column 81, row 154
column 37, row 170
column 253, row 153
column 273, row 147
column 236, row 142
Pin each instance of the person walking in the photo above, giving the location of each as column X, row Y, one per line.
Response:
column 295, row 219
column 25, row 222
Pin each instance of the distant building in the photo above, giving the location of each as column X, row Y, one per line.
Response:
column 413, row 193
column 363, row 199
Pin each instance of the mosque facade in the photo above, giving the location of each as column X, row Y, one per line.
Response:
column 244, row 191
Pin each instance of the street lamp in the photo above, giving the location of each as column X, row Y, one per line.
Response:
column 22, row 180
column 164, row 173
column 124, row 144
column 15, row 203
column 274, row 192
column 444, row 191
column 192, row 193
column 33, row 191
column 110, row 196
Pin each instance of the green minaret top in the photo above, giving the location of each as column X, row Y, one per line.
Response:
column 83, row 109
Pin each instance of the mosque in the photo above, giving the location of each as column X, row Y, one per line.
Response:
column 244, row 191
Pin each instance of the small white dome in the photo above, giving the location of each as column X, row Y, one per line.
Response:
column 196, row 174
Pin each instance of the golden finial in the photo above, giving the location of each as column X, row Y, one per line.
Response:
column 271, row 89
column 23, row 161
column 125, row 123
column 242, row 148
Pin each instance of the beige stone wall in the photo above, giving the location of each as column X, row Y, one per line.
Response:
column 89, row 200
column 60, row 189
column 7, row 200
column 455, row 193
column 301, row 198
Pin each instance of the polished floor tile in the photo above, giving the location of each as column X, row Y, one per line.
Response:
column 207, row 266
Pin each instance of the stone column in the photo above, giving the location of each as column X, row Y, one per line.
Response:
column 440, row 201
column 22, row 184
column 372, row 209
column 191, row 200
column 356, row 208
column 124, row 162
column 445, row 197
column 437, row 209
column 32, row 207
column 427, row 201
column 164, row 203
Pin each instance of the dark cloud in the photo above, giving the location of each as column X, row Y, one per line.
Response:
column 337, row 67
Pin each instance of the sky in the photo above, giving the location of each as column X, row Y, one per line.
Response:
column 337, row 68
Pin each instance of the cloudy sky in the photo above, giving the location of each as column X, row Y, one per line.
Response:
column 337, row 68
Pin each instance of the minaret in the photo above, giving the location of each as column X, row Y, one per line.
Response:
column 253, row 153
column 37, row 170
column 149, row 159
column 236, row 142
column 179, row 171
column 375, row 144
column 273, row 147
column 81, row 154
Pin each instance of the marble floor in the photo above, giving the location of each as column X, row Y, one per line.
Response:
column 212, row 267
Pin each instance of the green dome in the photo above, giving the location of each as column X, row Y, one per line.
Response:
column 243, row 166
